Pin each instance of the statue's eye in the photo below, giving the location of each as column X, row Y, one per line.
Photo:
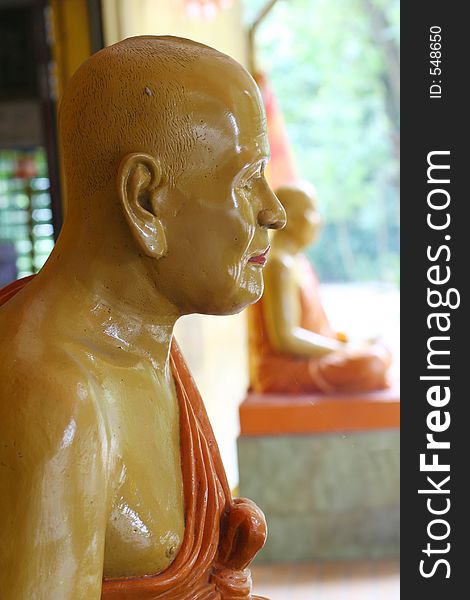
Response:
column 251, row 179
column 250, row 182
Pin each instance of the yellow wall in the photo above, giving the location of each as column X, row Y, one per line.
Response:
column 71, row 36
column 125, row 18
column 215, row 347
column 69, row 28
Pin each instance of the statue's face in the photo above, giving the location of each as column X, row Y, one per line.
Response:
column 309, row 223
column 304, row 220
column 218, row 213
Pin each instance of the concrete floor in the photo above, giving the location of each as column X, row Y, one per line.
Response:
column 362, row 580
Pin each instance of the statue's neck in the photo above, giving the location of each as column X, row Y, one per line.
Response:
column 108, row 290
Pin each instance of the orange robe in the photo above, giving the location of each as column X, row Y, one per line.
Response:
column 221, row 535
column 272, row 371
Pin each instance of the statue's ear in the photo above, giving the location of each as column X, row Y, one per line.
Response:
column 139, row 176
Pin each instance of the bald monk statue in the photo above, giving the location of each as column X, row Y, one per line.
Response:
column 111, row 481
column 293, row 348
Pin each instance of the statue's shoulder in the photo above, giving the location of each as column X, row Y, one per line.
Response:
column 40, row 381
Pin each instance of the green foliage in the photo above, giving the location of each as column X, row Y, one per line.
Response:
column 329, row 75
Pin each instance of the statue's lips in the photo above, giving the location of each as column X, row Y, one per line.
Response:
column 260, row 259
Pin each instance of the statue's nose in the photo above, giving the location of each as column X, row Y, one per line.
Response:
column 272, row 215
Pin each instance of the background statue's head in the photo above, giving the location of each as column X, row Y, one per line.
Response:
column 303, row 219
column 164, row 145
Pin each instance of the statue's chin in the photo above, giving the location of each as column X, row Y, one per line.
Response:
column 245, row 299
column 235, row 304
column 228, row 297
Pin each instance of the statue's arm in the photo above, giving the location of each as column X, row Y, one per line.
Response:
column 281, row 301
column 52, row 498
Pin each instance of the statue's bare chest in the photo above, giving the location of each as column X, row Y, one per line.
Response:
column 146, row 514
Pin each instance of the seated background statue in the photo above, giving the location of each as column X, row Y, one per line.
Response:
column 292, row 346
column 111, row 480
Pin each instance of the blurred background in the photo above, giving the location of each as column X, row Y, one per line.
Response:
column 329, row 72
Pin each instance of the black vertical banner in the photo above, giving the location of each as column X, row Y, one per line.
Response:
column 435, row 380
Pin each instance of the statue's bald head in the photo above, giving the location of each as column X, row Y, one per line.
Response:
column 164, row 144
column 303, row 219
column 296, row 198
column 140, row 94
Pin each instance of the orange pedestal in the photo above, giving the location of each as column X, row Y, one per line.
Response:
column 284, row 414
